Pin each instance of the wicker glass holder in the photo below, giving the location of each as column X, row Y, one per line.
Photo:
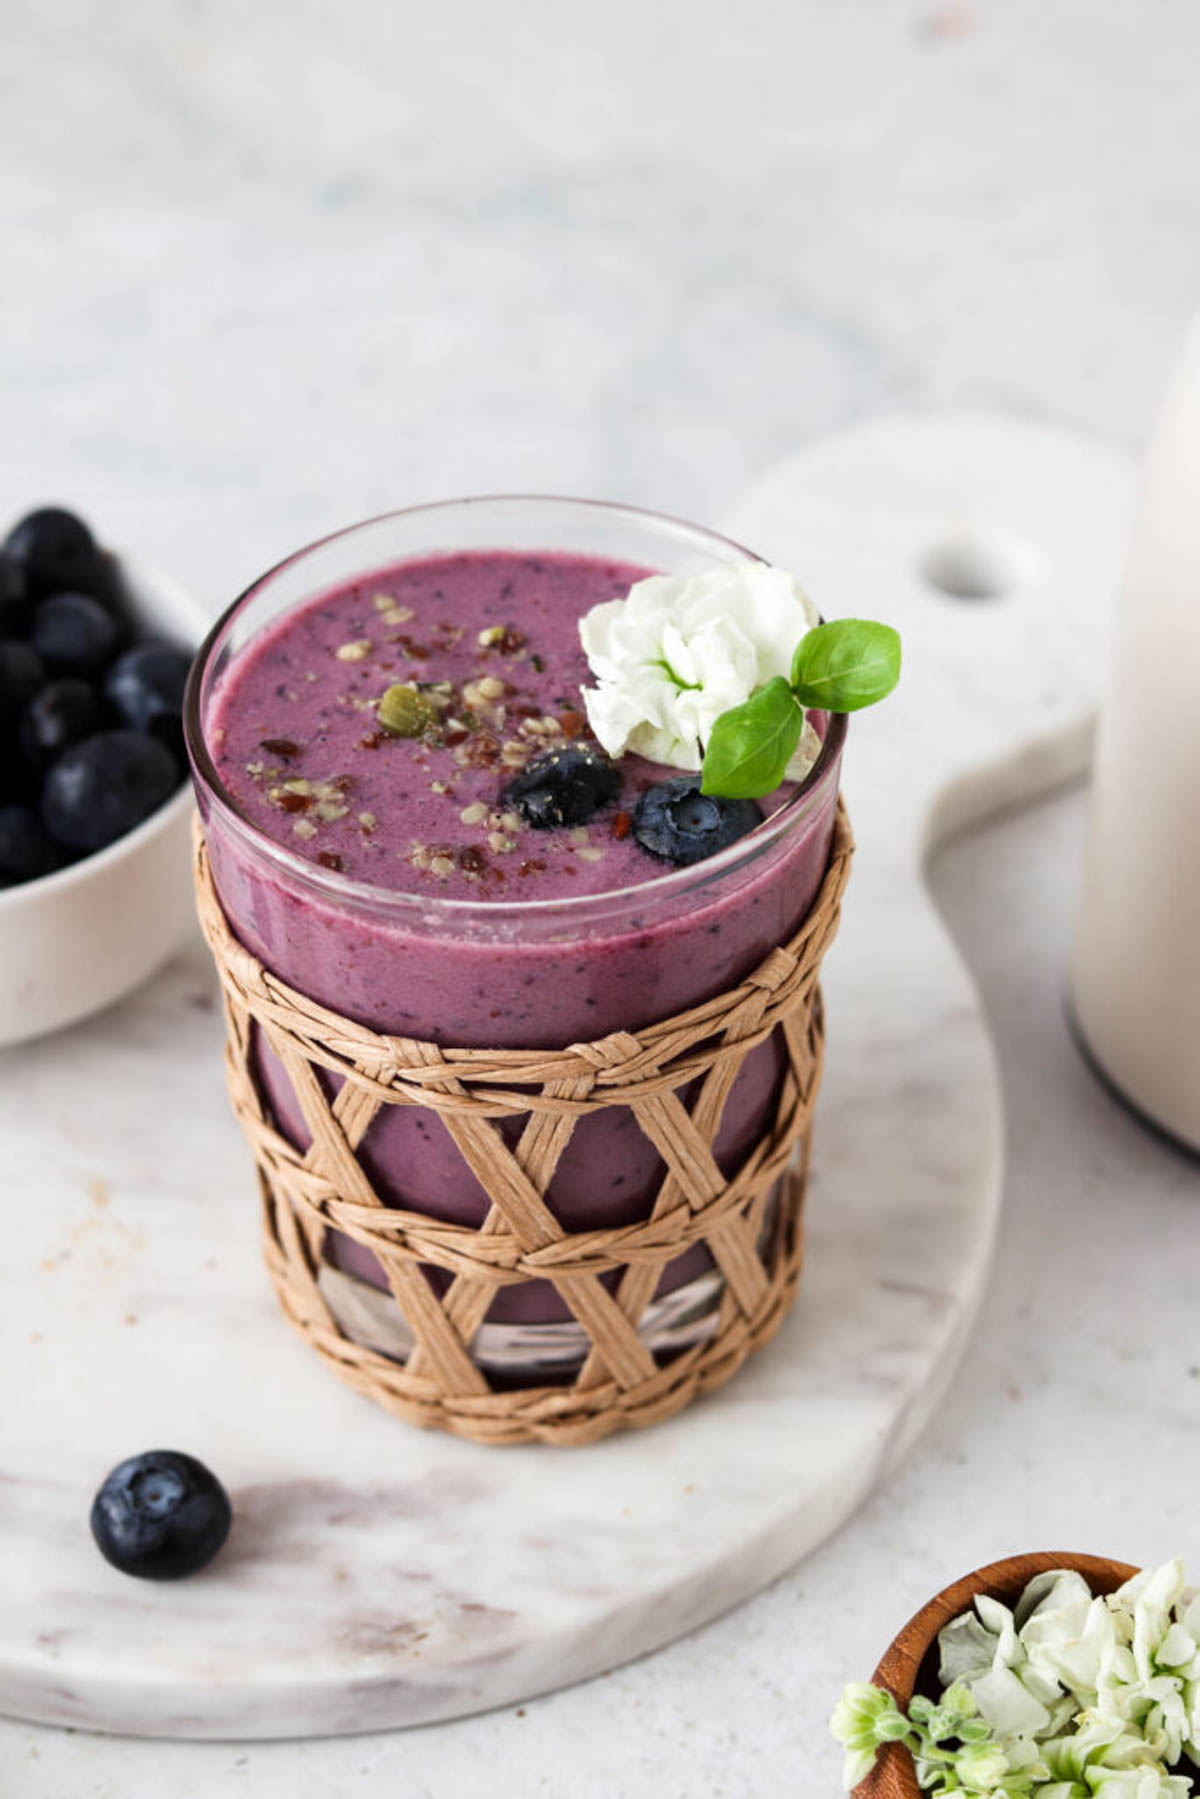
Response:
column 750, row 1221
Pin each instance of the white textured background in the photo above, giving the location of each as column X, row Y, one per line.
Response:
column 265, row 268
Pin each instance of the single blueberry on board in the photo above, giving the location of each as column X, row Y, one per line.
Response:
column 682, row 825
column 22, row 672
column 563, row 787
column 26, row 851
column 60, row 714
column 161, row 1515
column 54, row 551
column 75, row 634
column 103, row 787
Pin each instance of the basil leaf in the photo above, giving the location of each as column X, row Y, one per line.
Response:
column 751, row 745
column 845, row 665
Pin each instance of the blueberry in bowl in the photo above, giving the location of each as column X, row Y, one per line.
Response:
column 144, row 690
column 26, row 849
column 52, row 550
column 76, row 633
column 94, row 806
column 59, row 714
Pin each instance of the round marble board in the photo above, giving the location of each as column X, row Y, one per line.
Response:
column 377, row 1576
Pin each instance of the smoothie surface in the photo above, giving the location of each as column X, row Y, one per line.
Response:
column 490, row 641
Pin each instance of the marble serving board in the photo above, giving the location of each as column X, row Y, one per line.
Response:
column 377, row 1576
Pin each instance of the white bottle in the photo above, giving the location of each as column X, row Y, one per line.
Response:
column 1136, row 969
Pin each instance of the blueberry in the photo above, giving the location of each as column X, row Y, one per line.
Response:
column 103, row 787
column 22, row 672
column 20, row 782
column 75, row 634
column 25, row 850
column 16, row 609
column 145, row 686
column 563, row 787
column 161, row 1515
column 682, row 825
column 54, row 550
column 59, row 715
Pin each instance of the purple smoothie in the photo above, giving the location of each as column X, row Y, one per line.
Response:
column 387, row 877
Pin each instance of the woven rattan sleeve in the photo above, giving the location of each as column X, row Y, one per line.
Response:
column 750, row 1222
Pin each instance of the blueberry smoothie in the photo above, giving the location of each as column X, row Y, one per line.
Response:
column 408, row 819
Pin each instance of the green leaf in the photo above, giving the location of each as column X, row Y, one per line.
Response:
column 751, row 745
column 845, row 665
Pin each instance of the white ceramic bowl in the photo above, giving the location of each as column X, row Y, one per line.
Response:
column 75, row 941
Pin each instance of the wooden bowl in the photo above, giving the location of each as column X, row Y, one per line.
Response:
column 909, row 1664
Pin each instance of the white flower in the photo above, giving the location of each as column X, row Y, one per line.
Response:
column 1071, row 1643
column 1138, row 1783
column 1154, row 1594
column 982, row 1768
column 679, row 650
column 1075, row 1694
column 864, row 1718
column 1008, row 1705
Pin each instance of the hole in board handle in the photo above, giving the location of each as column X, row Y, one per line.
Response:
column 976, row 563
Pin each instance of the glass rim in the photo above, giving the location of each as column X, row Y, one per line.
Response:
column 339, row 888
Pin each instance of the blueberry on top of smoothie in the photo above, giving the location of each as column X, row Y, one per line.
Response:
column 563, row 787
column 160, row 1515
column 682, row 825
